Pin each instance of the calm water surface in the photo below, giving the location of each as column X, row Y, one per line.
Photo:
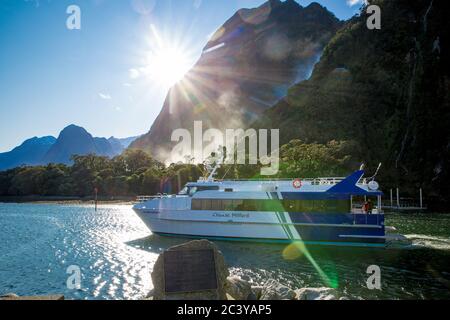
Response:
column 116, row 253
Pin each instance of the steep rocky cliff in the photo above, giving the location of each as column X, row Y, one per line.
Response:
column 386, row 90
column 246, row 67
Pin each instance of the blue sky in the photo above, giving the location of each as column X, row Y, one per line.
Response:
column 51, row 77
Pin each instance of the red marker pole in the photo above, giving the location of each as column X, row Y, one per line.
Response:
column 96, row 198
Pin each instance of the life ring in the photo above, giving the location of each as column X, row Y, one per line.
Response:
column 297, row 183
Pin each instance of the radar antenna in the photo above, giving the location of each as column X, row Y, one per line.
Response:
column 376, row 173
column 214, row 162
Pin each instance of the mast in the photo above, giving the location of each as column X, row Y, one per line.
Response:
column 216, row 159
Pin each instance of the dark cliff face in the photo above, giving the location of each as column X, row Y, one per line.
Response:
column 246, row 67
column 387, row 90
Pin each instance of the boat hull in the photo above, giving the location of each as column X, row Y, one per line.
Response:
column 269, row 227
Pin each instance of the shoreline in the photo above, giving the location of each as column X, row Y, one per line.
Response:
column 127, row 200
column 67, row 200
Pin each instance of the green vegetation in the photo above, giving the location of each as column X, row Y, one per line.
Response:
column 386, row 91
column 136, row 173
column 132, row 173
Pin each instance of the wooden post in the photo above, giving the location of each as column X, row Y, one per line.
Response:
column 398, row 197
column 421, row 198
column 96, row 198
column 392, row 199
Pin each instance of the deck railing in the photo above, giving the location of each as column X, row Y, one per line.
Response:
column 313, row 181
column 147, row 198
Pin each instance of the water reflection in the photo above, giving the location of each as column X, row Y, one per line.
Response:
column 116, row 256
column 413, row 273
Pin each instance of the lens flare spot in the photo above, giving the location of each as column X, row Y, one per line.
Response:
column 294, row 251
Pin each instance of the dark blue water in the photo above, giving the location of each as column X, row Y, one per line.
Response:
column 115, row 253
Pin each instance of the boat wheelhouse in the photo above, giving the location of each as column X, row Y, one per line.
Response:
column 323, row 211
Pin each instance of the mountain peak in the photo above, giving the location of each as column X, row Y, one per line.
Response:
column 246, row 67
column 313, row 5
column 75, row 140
column 73, row 127
column 47, row 140
column 74, row 132
column 292, row 3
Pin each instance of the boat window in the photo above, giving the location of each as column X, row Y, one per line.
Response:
column 227, row 205
column 291, row 205
column 208, row 188
column 250, row 205
column 196, row 204
column 294, row 206
column 192, row 191
column 324, row 205
column 238, row 205
column 305, row 206
column 206, row 205
column 184, row 191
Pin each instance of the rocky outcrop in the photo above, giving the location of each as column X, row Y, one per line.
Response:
column 273, row 290
column 8, row 296
column 316, row 294
column 12, row 296
column 239, row 289
column 221, row 272
column 232, row 287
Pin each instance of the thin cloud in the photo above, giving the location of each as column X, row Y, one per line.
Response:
column 352, row 3
column 133, row 73
column 104, row 96
column 197, row 3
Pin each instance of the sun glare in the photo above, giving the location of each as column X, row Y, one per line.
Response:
column 165, row 59
column 168, row 59
column 167, row 65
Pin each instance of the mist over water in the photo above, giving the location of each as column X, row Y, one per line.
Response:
column 116, row 253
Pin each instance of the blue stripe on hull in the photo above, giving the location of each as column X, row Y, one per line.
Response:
column 276, row 241
column 337, row 218
column 334, row 234
column 314, row 196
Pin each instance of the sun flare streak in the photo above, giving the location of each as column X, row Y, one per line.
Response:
column 166, row 61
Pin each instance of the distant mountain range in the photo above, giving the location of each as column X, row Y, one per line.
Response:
column 246, row 67
column 73, row 140
column 30, row 152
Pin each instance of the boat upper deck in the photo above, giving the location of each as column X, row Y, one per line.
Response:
column 354, row 184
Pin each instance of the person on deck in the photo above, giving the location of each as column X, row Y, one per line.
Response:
column 365, row 208
column 369, row 207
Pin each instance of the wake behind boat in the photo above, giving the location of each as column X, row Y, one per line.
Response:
column 323, row 211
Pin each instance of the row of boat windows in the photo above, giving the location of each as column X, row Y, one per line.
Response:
column 337, row 206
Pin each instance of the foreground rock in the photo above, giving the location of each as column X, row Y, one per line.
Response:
column 12, row 296
column 158, row 275
column 316, row 294
column 228, row 287
column 239, row 289
column 273, row 290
